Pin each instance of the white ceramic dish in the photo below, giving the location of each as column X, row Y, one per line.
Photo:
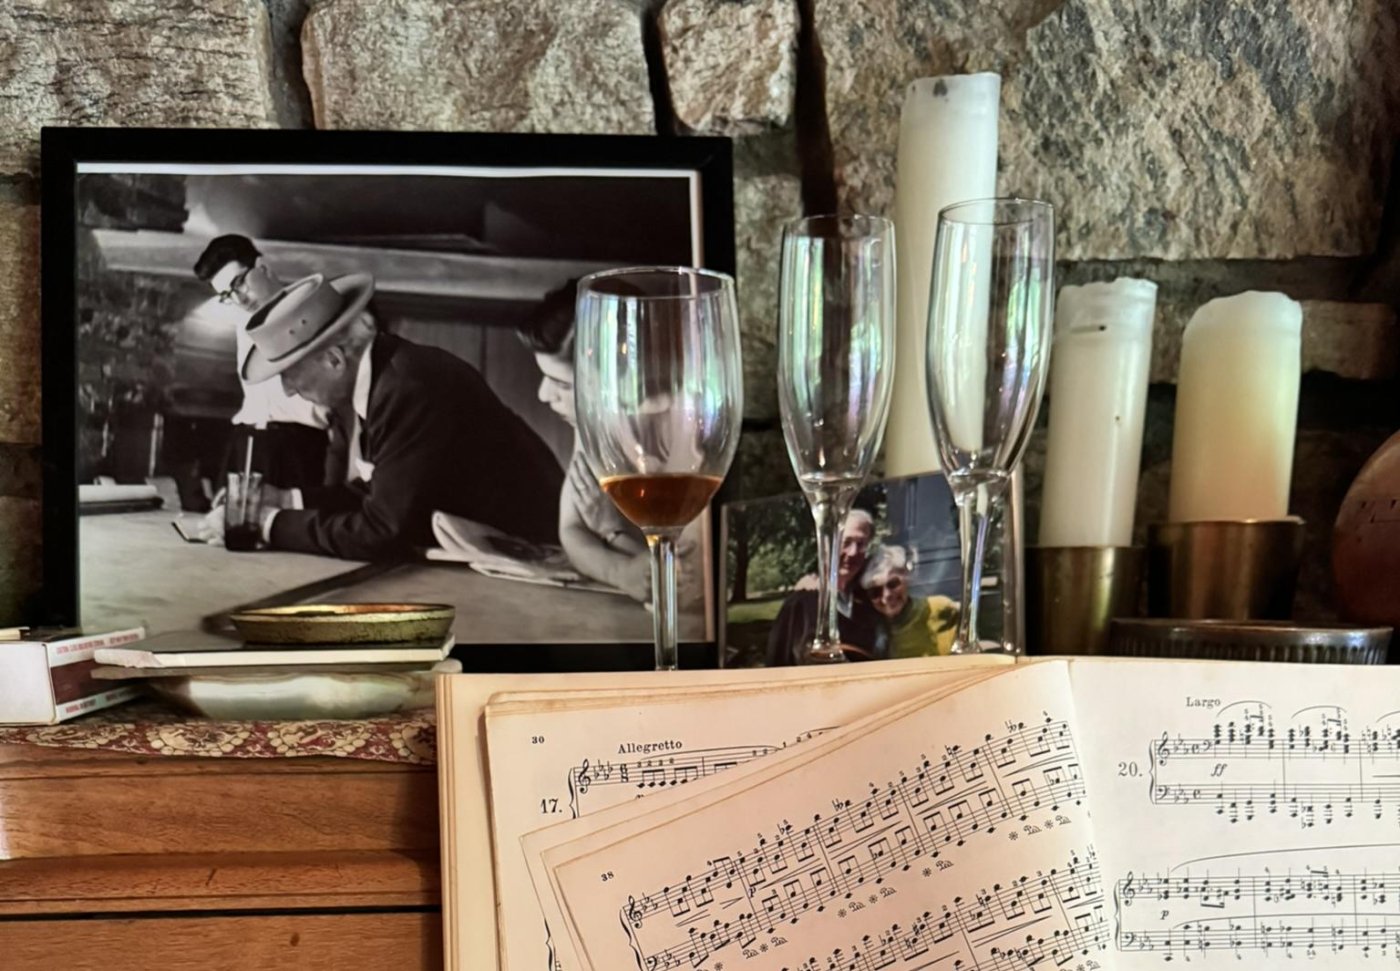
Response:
column 301, row 695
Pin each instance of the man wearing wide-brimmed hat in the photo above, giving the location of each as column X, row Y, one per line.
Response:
column 292, row 434
column 431, row 434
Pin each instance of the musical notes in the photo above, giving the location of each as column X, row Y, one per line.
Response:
column 552, row 763
column 989, row 932
column 1284, row 904
column 1316, row 770
column 661, row 772
column 830, row 862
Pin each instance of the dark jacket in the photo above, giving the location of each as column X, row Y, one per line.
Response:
column 796, row 625
column 439, row 439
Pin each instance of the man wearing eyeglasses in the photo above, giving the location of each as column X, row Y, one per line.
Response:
column 292, row 436
column 864, row 633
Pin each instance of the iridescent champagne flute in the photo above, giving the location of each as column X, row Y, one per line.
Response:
column 835, row 372
column 990, row 321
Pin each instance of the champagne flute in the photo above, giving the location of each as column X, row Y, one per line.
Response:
column 658, row 388
column 835, row 372
column 989, row 329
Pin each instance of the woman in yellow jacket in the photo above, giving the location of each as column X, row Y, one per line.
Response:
column 919, row 626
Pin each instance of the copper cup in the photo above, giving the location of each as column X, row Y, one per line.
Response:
column 1244, row 569
column 1072, row 592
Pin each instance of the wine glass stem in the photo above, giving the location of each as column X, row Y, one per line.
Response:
column 829, row 513
column 974, row 511
column 663, row 586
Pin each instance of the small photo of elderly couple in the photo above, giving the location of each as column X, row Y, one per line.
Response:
column 390, row 359
column 898, row 575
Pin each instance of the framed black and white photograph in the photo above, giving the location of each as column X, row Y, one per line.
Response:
column 899, row 576
column 284, row 367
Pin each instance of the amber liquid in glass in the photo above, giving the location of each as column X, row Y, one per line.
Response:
column 667, row 501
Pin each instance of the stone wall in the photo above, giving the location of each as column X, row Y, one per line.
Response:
column 1214, row 147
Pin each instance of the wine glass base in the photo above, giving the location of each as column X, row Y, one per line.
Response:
column 984, row 647
column 822, row 653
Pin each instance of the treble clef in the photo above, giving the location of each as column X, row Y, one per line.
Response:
column 579, row 781
column 1163, row 749
column 1127, row 893
column 633, row 912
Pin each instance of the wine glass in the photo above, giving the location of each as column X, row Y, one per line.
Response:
column 989, row 328
column 835, row 372
column 658, row 388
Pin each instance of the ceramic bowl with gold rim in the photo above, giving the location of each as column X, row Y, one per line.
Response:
column 355, row 623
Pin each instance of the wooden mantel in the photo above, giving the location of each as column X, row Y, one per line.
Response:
column 117, row 862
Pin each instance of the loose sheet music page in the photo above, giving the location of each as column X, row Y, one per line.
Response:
column 547, row 848
column 468, row 877
column 954, row 835
column 563, row 758
column 1247, row 815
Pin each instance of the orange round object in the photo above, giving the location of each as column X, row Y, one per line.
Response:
column 1366, row 541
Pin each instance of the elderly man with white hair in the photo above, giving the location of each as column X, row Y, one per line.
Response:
column 862, row 629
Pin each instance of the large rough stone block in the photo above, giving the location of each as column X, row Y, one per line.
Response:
column 21, row 566
column 1206, row 130
column 1211, row 129
column 732, row 67
column 19, row 323
column 1351, row 340
column 761, row 204
column 761, row 466
column 874, row 48
column 130, row 63
column 478, row 65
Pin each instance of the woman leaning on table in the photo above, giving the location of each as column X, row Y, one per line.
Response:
column 599, row 541
column 919, row 626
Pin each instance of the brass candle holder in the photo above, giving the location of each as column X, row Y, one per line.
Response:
column 1243, row 569
column 1072, row 592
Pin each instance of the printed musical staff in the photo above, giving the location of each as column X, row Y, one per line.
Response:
column 940, row 802
column 661, row 772
column 996, row 931
column 1289, row 912
column 1316, row 771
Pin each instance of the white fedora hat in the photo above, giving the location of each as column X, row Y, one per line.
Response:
column 300, row 318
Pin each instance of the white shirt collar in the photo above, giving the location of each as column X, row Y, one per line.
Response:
column 359, row 397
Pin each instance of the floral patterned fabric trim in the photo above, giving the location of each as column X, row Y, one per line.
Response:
column 148, row 728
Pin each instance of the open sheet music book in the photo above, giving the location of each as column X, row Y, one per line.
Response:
column 1060, row 814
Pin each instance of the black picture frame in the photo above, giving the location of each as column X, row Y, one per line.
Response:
column 63, row 150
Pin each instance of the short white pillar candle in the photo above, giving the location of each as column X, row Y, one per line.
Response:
column 1237, row 409
column 1098, row 401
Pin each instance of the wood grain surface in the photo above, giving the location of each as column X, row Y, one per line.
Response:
column 253, row 881
column 66, row 802
column 120, row 862
column 304, row 942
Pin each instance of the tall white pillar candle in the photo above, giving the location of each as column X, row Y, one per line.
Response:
column 1098, row 400
column 1237, row 409
column 947, row 153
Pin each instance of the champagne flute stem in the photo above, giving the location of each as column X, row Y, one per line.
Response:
column 974, row 511
column 829, row 513
column 663, row 587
